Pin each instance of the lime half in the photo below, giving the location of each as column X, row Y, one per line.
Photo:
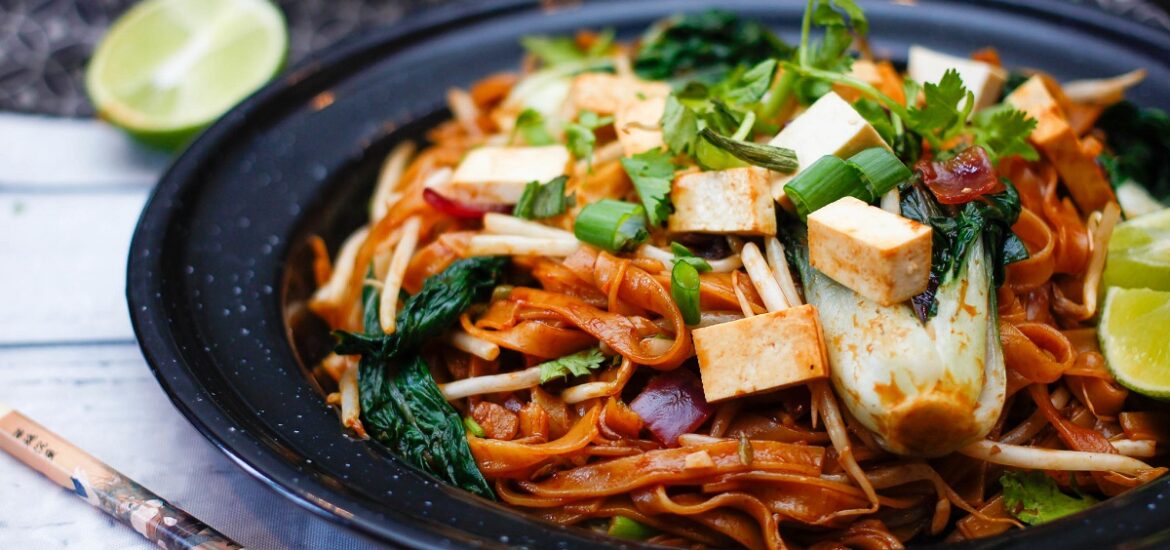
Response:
column 1139, row 253
column 1133, row 338
column 168, row 68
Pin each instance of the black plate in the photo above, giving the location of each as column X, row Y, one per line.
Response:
column 217, row 311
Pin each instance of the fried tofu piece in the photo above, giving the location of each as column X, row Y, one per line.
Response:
column 728, row 202
column 605, row 93
column 761, row 353
column 499, row 174
column 829, row 127
column 1058, row 141
column 983, row 79
column 638, row 125
column 879, row 255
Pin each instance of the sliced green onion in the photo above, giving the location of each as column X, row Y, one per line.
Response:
column 684, row 254
column 612, row 225
column 684, row 288
column 473, row 427
column 774, row 158
column 541, row 200
column 626, row 528
column 879, row 169
column 828, row 179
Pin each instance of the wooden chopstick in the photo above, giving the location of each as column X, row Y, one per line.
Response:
column 104, row 488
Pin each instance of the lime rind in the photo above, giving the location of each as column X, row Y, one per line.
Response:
column 169, row 68
column 1133, row 339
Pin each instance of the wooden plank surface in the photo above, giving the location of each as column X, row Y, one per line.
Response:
column 104, row 399
column 70, row 195
column 65, row 265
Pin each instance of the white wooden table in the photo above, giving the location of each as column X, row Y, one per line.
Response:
column 70, row 194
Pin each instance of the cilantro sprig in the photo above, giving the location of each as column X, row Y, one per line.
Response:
column 577, row 364
column 652, row 173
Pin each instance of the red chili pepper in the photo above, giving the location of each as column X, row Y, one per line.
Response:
column 461, row 209
column 963, row 178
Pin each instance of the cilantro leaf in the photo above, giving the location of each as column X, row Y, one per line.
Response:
column 541, row 200
column 530, row 126
column 652, row 173
column 680, row 126
column 746, row 86
column 941, row 115
column 577, row 364
column 1034, row 498
column 1003, row 132
column 579, row 137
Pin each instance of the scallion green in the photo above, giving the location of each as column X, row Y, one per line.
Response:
column 684, row 254
column 774, row 158
column 626, row 528
column 473, row 427
column 684, row 288
column 612, row 225
column 879, row 169
column 822, row 183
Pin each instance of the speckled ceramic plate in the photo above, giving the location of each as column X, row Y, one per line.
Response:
column 218, row 267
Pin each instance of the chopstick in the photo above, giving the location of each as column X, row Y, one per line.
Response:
column 104, row 488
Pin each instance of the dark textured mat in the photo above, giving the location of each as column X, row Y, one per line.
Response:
column 44, row 44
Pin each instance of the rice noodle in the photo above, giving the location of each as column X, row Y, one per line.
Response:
column 1034, row 458
column 389, row 178
column 504, row 224
column 388, row 304
column 1101, row 228
column 762, row 278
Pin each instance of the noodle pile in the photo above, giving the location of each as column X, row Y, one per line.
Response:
column 790, row 468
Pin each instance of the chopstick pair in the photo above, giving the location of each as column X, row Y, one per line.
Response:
column 104, row 488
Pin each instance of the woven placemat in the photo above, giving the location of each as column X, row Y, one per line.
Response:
column 44, row 44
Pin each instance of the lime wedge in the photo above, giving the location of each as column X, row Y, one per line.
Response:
column 1139, row 253
column 1133, row 338
column 168, row 68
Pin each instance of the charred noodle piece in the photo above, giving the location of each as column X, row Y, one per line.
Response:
column 401, row 404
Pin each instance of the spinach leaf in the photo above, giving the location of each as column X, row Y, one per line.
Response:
column 1140, row 141
column 711, row 41
column 403, row 409
column 402, row 406
column 955, row 230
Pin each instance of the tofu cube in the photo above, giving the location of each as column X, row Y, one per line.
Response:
column 605, row 93
column 1057, row 140
column 638, row 125
column 734, row 201
column 879, row 255
column 761, row 353
column 829, row 127
column 498, row 174
column 983, row 79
